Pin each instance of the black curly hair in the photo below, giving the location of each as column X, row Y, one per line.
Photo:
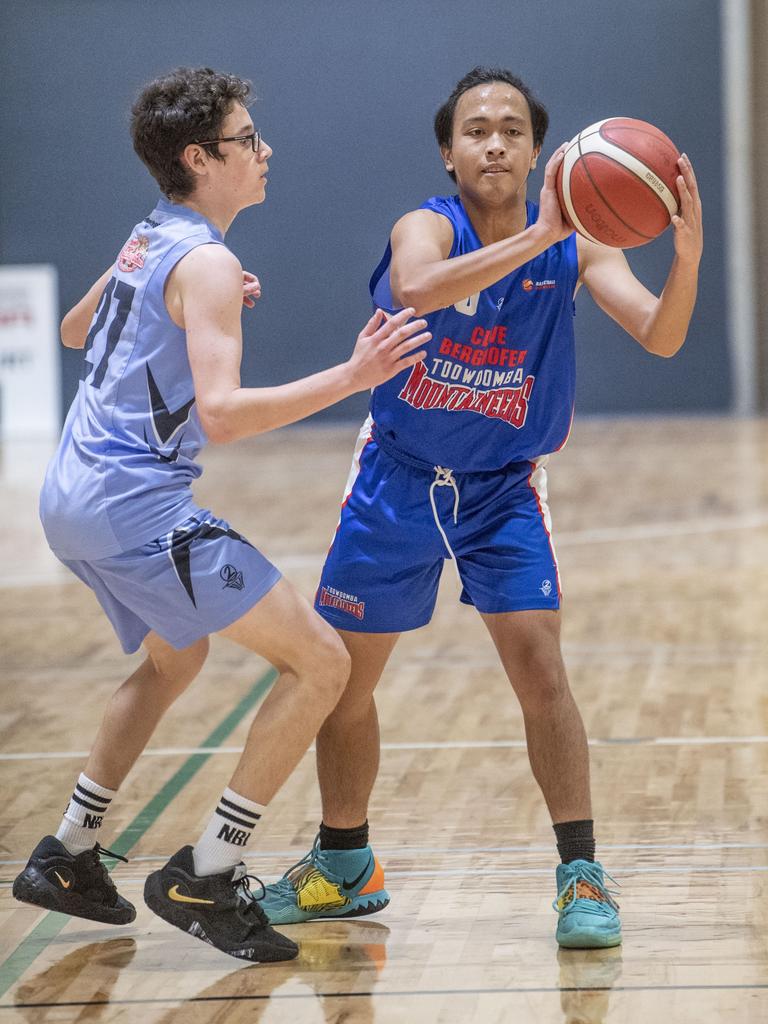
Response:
column 186, row 105
column 483, row 76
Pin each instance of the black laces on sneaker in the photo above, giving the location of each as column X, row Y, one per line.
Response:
column 104, row 852
column 91, row 861
column 248, row 899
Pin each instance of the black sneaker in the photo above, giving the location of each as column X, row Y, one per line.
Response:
column 75, row 884
column 219, row 909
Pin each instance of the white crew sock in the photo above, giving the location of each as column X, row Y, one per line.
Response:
column 81, row 825
column 227, row 835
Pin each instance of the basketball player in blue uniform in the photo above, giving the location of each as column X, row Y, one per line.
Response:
column 162, row 337
column 451, row 464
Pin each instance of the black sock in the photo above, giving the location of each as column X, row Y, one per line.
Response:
column 575, row 840
column 343, row 838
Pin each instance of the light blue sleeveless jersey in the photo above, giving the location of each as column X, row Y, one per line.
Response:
column 122, row 473
column 497, row 386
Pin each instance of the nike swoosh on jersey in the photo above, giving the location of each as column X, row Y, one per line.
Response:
column 64, row 883
column 177, row 897
column 171, row 456
column 351, row 885
column 165, row 422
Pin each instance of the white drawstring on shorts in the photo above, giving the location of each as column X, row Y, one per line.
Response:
column 444, row 478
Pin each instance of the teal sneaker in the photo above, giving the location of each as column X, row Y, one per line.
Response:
column 327, row 883
column 588, row 915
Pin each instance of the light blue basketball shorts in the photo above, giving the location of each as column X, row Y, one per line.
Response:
column 400, row 523
column 196, row 580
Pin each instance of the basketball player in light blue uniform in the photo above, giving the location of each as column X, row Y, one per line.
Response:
column 161, row 375
column 451, row 465
column 123, row 471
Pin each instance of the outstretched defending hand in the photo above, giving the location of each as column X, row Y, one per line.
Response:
column 550, row 215
column 386, row 346
column 251, row 289
column 689, row 236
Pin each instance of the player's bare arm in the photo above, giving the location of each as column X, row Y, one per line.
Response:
column 75, row 325
column 422, row 275
column 206, row 290
column 660, row 323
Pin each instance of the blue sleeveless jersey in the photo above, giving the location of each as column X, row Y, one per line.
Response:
column 497, row 385
column 122, row 473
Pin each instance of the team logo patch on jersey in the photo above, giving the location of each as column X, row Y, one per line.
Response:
column 497, row 403
column 232, row 577
column 133, row 254
column 546, row 588
column 539, row 286
column 330, row 597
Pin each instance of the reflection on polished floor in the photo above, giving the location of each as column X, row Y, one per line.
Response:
column 662, row 534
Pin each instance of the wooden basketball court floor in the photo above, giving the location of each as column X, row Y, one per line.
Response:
column 662, row 533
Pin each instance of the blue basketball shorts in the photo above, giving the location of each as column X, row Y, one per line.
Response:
column 196, row 580
column 399, row 524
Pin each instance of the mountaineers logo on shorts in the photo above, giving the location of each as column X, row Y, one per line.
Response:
column 133, row 254
column 332, row 598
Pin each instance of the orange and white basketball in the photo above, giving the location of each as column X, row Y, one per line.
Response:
column 617, row 183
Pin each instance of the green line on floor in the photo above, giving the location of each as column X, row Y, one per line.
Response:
column 46, row 930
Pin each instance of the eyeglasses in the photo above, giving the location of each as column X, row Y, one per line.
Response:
column 254, row 138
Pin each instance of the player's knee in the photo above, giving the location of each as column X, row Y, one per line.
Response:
column 175, row 672
column 331, row 668
column 540, row 679
column 542, row 685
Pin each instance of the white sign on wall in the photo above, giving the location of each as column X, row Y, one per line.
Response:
column 30, row 371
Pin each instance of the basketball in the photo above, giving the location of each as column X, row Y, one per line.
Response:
column 617, row 183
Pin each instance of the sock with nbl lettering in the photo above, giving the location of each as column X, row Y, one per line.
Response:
column 227, row 834
column 80, row 827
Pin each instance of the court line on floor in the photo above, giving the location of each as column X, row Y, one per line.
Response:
column 606, row 535
column 739, row 869
column 625, row 871
column 640, row 741
column 666, row 529
column 459, row 851
column 52, row 923
column 573, row 538
column 383, row 993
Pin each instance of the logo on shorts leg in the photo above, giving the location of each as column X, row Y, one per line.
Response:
column 232, row 578
column 332, row 598
column 546, row 588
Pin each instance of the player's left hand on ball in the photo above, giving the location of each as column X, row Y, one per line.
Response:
column 550, row 215
column 251, row 289
column 689, row 235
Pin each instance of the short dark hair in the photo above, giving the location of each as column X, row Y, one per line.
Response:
column 187, row 105
column 483, row 76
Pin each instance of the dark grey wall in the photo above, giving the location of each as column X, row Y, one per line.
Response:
column 347, row 92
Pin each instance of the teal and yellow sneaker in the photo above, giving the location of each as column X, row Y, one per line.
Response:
column 588, row 915
column 327, row 883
